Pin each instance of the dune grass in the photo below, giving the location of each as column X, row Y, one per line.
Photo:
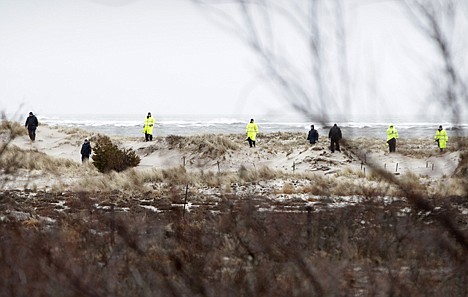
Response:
column 12, row 129
column 206, row 146
column 237, row 248
column 346, row 181
column 14, row 157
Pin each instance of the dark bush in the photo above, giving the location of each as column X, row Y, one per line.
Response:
column 107, row 156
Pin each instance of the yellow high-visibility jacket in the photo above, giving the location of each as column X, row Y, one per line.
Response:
column 149, row 124
column 251, row 130
column 392, row 133
column 442, row 137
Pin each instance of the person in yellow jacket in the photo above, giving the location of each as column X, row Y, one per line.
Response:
column 441, row 138
column 392, row 135
column 251, row 130
column 148, row 127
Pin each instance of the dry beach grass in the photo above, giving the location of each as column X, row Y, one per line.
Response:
column 208, row 216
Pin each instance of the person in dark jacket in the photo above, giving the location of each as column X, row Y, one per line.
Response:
column 31, row 124
column 85, row 151
column 335, row 137
column 313, row 135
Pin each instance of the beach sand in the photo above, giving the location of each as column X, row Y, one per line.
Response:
column 232, row 211
column 283, row 152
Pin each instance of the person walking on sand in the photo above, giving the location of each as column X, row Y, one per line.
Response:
column 313, row 135
column 148, row 127
column 251, row 130
column 441, row 138
column 85, row 151
column 335, row 137
column 31, row 124
column 392, row 135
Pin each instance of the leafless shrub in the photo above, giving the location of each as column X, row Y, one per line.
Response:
column 369, row 247
column 404, row 247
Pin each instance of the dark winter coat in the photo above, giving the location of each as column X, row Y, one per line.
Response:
column 86, row 149
column 335, row 133
column 31, row 122
column 313, row 136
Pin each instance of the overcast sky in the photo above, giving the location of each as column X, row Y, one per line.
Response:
column 123, row 56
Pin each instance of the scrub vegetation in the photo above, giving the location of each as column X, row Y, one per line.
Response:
column 13, row 158
column 70, row 247
column 108, row 156
column 249, row 232
column 255, row 231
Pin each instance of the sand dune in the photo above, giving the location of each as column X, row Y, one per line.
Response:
column 286, row 152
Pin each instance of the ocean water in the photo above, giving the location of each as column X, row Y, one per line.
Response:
column 183, row 125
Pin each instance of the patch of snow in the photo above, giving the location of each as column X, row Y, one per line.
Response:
column 19, row 215
column 47, row 220
column 150, row 207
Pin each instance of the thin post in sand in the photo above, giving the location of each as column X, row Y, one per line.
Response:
column 309, row 220
column 185, row 201
column 112, row 225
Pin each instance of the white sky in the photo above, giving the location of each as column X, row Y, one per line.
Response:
column 165, row 56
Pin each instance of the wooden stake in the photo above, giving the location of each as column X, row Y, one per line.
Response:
column 112, row 224
column 309, row 220
column 185, row 201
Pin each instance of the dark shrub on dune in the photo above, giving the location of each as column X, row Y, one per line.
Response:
column 107, row 156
